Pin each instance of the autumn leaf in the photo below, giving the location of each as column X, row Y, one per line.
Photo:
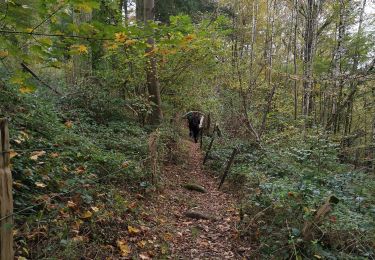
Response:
column 79, row 239
column 12, row 154
column 130, row 42
column 144, row 257
column 120, row 37
column 79, row 49
column 4, row 54
column 26, row 89
column 142, row 243
column 124, row 247
column 80, row 169
column 95, row 209
column 40, row 184
column 125, row 164
column 55, row 155
column 71, row 204
column 35, row 155
column 86, row 215
column 84, row 8
column 68, row 124
column 167, row 236
column 133, row 230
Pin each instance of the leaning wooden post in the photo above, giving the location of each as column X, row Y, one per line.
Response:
column 6, row 197
column 209, row 149
column 229, row 164
column 201, row 138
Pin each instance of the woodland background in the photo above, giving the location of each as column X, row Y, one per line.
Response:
column 86, row 84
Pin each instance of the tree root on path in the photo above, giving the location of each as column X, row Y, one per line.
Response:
column 194, row 187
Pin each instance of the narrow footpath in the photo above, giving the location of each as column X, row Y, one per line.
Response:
column 195, row 225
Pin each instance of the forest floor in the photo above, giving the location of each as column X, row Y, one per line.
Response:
column 179, row 212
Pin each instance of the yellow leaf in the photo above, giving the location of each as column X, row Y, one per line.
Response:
column 87, row 214
column 95, row 209
column 68, row 124
column 130, row 42
column 40, row 184
column 12, row 154
column 35, row 155
column 26, row 89
column 124, row 248
column 110, row 46
column 29, row 30
column 79, row 48
column 18, row 80
column 142, row 243
column 120, row 37
column 84, row 8
column 133, row 230
column 190, row 37
column 4, row 54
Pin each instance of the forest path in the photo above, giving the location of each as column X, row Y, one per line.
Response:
column 186, row 237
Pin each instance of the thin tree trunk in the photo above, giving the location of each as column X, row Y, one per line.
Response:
column 295, row 60
column 267, row 107
column 309, row 48
column 153, row 84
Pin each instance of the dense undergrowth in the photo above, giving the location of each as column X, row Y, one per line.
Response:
column 77, row 176
column 283, row 187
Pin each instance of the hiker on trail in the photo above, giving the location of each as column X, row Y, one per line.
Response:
column 195, row 123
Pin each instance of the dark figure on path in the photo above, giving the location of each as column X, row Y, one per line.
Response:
column 195, row 122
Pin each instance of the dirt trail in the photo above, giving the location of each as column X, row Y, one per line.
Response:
column 189, row 238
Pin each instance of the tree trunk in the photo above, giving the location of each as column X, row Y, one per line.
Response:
column 295, row 60
column 309, row 48
column 82, row 63
column 153, row 84
column 139, row 10
column 271, row 85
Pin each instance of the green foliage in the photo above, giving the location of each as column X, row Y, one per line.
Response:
column 286, row 182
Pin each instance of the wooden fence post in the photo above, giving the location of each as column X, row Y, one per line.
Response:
column 6, row 196
column 229, row 164
column 209, row 149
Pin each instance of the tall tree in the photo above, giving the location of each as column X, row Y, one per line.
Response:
column 153, row 84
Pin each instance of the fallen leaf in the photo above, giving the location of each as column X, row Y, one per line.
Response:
column 80, row 169
column 133, row 230
column 142, row 243
column 12, row 154
column 144, row 257
column 68, row 124
column 79, row 239
column 3, row 54
column 167, row 236
column 87, row 214
column 55, row 155
column 95, row 209
column 40, row 184
column 71, row 204
column 125, row 164
column 124, row 248
column 35, row 155
column 120, row 37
